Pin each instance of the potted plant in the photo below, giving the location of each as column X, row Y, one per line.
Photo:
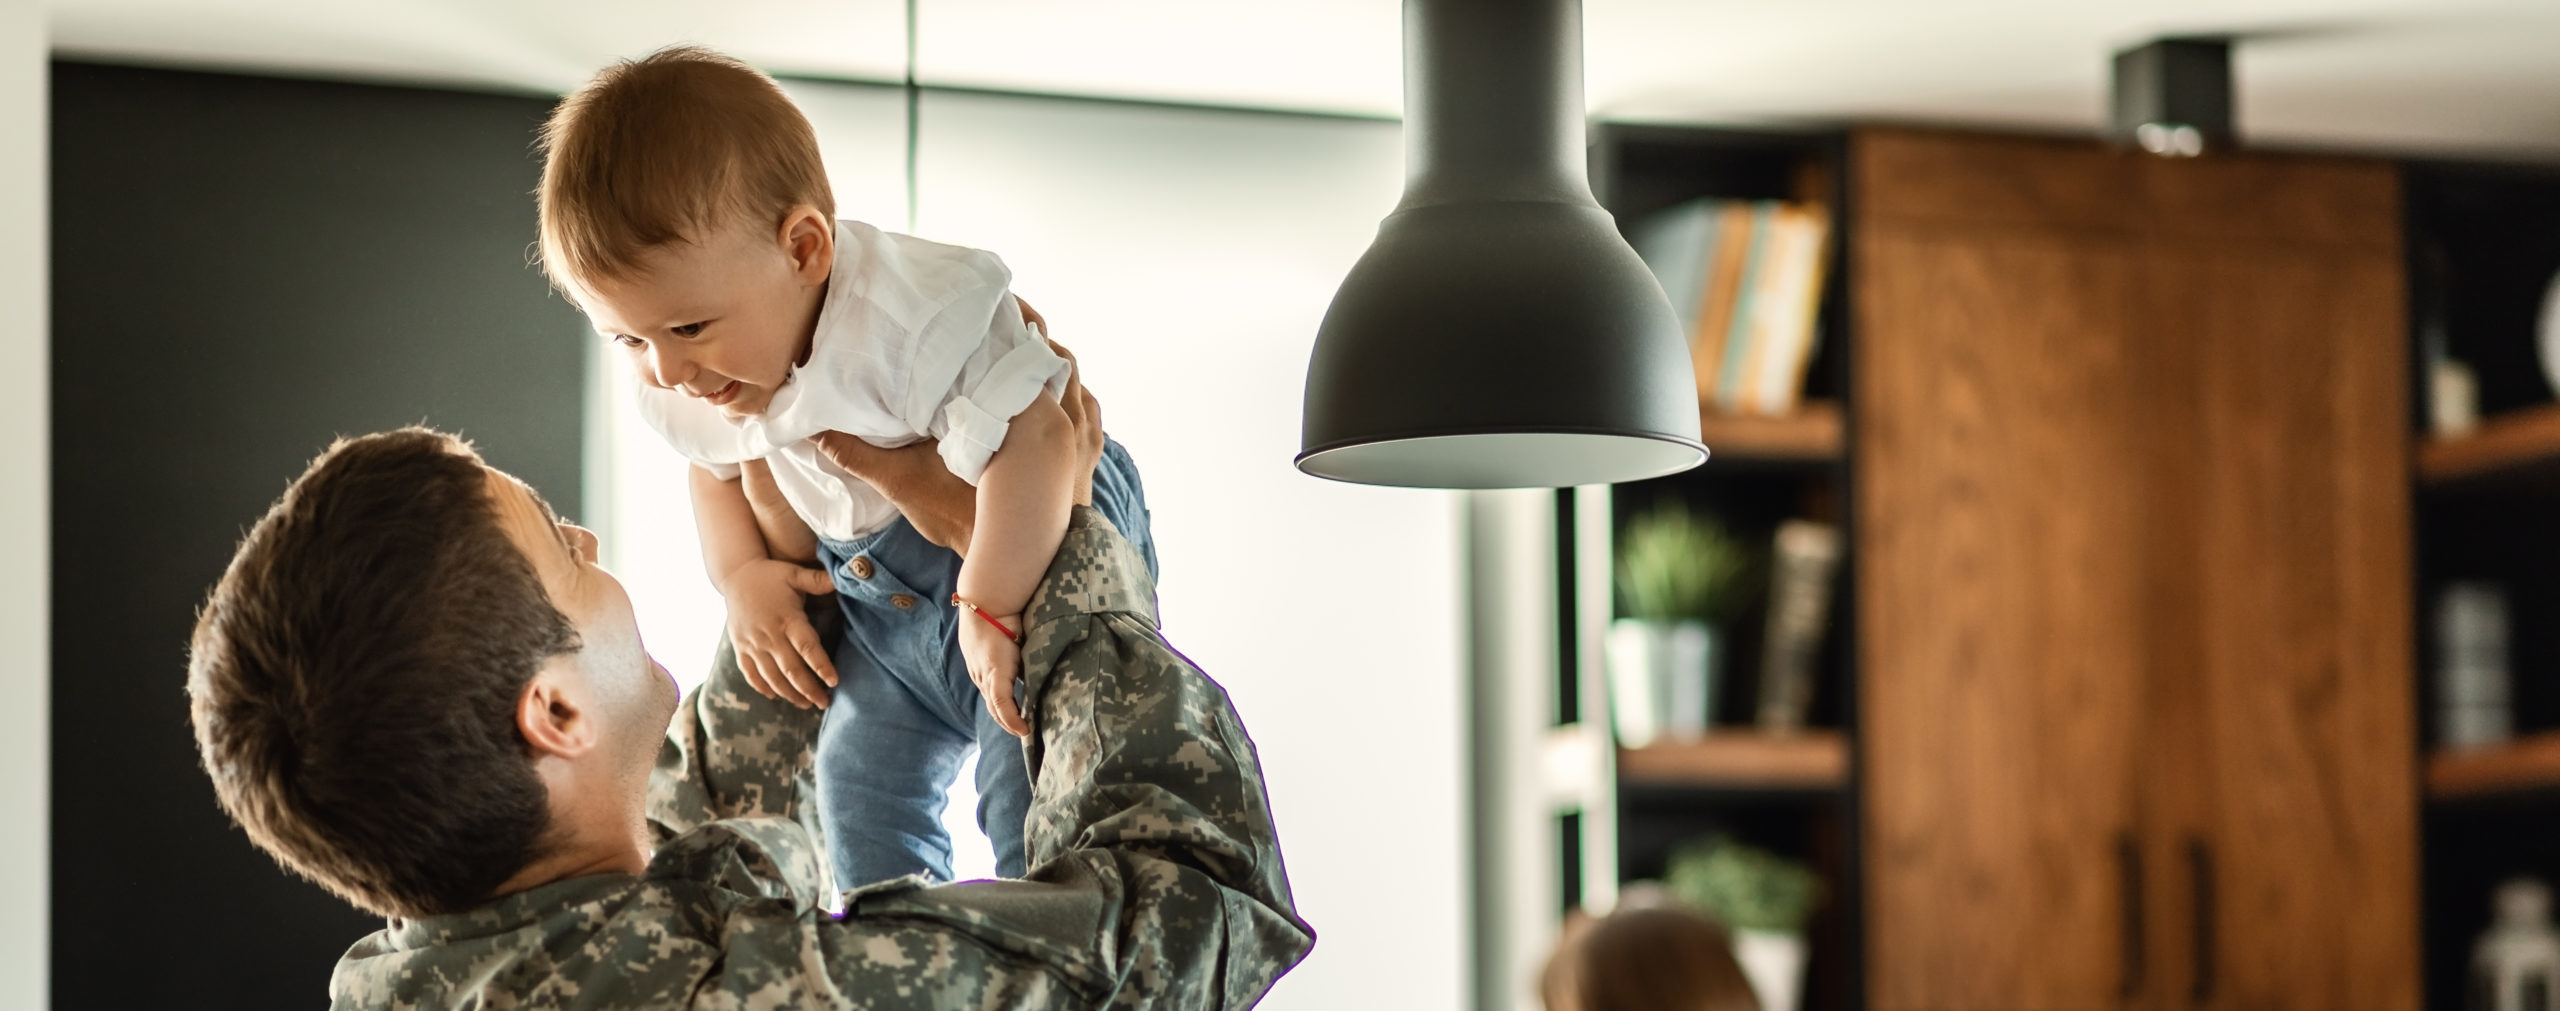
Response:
column 1681, row 580
column 1763, row 898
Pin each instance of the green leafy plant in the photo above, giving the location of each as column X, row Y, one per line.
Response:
column 1674, row 565
column 1746, row 887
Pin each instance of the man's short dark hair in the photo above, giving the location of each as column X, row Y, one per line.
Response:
column 356, row 672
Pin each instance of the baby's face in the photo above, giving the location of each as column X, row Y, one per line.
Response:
column 723, row 319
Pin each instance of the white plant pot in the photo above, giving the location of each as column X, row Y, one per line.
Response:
column 1773, row 960
column 1660, row 679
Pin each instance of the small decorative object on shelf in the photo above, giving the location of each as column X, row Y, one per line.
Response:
column 2516, row 965
column 1808, row 554
column 2472, row 679
column 2453, row 392
column 1763, row 898
column 1681, row 577
column 2453, row 397
column 2550, row 334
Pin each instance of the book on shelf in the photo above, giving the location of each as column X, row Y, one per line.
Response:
column 1745, row 280
column 1807, row 558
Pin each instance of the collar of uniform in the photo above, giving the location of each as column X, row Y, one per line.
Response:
column 768, row 858
column 506, row 915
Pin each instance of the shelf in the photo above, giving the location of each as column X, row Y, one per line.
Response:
column 1741, row 759
column 2509, row 442
column 1812, row 433
column 2526, row 763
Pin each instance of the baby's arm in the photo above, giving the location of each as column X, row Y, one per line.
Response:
column 777, row 649
column 1022, row 515
column 786, row 535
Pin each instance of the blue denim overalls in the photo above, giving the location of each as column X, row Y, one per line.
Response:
column 904, row 715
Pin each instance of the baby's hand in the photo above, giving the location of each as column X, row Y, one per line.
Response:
column 994, row 661
column 777, row 650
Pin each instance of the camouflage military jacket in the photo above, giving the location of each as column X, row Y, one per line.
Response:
column 1157, row 880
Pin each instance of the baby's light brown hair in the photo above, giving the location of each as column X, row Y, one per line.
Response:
column 666, row 149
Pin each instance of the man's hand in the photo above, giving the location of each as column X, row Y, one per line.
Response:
column 994, row 661
column 1085, row 413
column 944, row 508
column 777, row 649
column 939, row 505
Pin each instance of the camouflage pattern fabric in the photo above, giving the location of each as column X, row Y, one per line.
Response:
column 1156, row 880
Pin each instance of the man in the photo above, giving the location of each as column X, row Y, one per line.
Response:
column 415, row 687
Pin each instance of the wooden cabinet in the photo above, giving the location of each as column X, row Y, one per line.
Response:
column 2134, row 578
column 2290, row 829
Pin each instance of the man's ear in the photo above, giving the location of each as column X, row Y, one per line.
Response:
column 554, row 721
column 810, row 240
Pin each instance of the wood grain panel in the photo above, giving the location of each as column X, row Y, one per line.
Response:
column 2275, row 200
column 1968, row 181
column 2132, row 457
column 1998, row 562
column 2302, row 591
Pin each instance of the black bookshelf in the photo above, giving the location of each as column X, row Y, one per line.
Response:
column 1637, row 171
column 2483, row 243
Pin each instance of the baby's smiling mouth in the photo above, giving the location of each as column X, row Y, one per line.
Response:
column 722, row 396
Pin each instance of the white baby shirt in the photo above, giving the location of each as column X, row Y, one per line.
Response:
column 916, row 340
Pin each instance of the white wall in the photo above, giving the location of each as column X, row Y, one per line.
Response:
column 1186, row 256
column 25, row 669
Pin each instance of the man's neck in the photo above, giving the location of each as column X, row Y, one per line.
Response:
column 591, row 833
column 576, row 862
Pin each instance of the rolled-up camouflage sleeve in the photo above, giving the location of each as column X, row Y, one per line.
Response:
column 1157, row 879
column 732, row 753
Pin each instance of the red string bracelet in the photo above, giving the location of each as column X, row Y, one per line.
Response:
column 983, row 615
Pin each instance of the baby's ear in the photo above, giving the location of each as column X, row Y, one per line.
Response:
column 810, row 240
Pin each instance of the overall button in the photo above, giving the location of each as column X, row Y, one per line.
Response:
column 902, row 601
column 859, row 567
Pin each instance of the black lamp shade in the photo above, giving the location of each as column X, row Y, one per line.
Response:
column 1499, row 333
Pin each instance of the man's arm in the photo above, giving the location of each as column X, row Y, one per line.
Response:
column 1157, row 879
column 732, row 752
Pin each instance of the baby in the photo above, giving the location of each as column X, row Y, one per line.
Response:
column 684, row 208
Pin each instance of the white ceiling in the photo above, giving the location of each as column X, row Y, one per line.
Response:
column 2446, row 75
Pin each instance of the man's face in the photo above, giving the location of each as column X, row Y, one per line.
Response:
column 722, row 320
column 634, row 697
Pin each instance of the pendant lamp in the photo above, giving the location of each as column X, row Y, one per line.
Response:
column 1499, row 333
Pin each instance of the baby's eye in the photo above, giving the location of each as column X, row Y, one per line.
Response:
column 687, row 330
column 626, row 340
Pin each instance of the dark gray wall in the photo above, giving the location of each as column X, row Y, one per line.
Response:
column 243, row 268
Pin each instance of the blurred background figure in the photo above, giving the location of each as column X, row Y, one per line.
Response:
column 1649, row 955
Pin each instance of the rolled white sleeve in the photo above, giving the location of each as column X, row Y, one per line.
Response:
column 973, row 423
